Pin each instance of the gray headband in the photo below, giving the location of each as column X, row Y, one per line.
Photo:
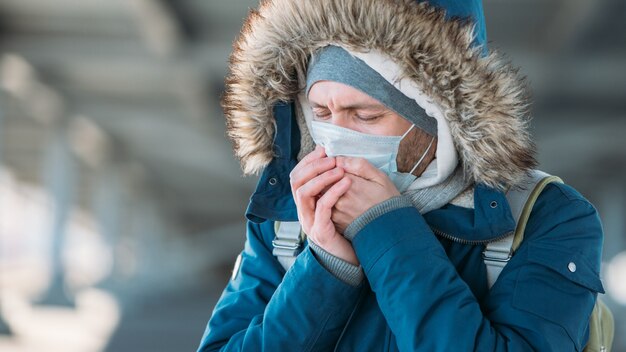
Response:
column 333, row 63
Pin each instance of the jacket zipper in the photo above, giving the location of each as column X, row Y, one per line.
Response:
column 471, row 242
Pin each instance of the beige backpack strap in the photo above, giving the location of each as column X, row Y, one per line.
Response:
column 601, row 328
column 287, row 243
column 543, row 179
column 521, row 200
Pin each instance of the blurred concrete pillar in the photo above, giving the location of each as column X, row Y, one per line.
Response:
column 110, row 210
column 133, row 218
column 150, row 237
column 4, row 327
column 152, row 231
column 60, row 176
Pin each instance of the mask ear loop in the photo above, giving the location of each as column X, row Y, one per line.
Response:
column 407, row 131
column 423, row 155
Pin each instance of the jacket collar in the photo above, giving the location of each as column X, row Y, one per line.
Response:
column 272, row 200
column 491, row 218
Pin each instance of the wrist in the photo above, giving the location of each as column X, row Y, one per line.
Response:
column 341, row 269
column 341, row 249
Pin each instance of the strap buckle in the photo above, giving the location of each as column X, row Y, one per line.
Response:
column 288, row 241
column 284, row 243
column 499, row 256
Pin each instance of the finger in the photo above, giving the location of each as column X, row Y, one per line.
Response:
column 324, row 206
column 304, row 174
column 305, row 207
column 305, row 216
column 343, row 207
column 317, row 153
column 314, row 154
column 314, row 186
column 327, row 187
column 360, row 167
column 339, row 217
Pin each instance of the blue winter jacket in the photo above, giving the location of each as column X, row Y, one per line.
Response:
column 426, row 284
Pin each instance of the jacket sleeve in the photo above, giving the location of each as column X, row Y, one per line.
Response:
column 260, row 310
column 537, row 304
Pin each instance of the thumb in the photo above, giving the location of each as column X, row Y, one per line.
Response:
column 361, row 167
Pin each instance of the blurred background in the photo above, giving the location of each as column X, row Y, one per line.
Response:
column 122, row 206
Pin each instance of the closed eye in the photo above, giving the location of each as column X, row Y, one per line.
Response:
column 368, row 118
column 320, row 114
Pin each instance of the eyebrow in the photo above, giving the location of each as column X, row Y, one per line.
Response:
column 353, row 106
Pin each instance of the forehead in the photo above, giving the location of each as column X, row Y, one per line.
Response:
column 340, row 96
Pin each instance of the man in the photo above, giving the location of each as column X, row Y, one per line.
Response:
column 390, row 135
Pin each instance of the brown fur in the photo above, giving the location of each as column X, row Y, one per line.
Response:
column 484, row 99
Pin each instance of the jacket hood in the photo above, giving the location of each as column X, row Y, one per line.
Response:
column 484, row 99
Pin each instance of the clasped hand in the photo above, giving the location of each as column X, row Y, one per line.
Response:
column 330, row 192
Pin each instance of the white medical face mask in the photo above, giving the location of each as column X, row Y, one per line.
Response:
column 380, row 151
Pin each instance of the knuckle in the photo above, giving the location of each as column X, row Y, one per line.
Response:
column 324, row 162
column 360, row 164
column 292, row 184
column 311, row 184
column 299, row 194
column 294, row 175
column 318, row 164
column 327, row 178
column 307, row 158
column 322, row 202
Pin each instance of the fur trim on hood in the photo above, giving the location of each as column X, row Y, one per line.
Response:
column 483, row 97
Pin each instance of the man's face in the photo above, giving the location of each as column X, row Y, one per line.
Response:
column 348, row 107
column 345, row 106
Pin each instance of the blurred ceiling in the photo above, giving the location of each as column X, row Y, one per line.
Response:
column 149, row 74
